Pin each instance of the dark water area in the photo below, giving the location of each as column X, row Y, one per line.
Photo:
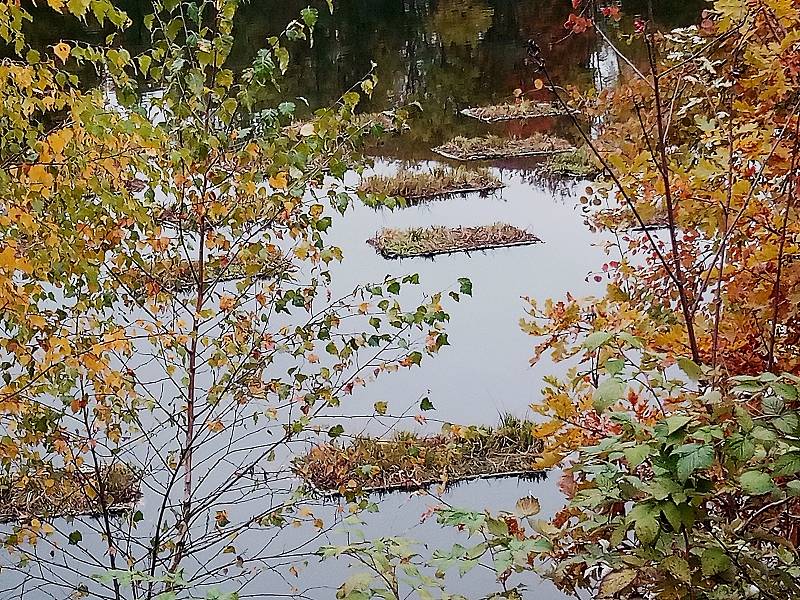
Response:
column 445, row 55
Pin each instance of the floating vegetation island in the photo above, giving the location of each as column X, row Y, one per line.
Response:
column 63, row 493
column 491, row 146
column 524, row 109
column 178, row 276
column 578, row 163
column 410, row 462
column 430, row 241
column 418, row 186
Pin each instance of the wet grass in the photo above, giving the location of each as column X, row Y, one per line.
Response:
column 579, row 163
column 418, row 186
column 523, row 109
column 430, row 241
column 491, row 146
column 409, row 462
column 62, row 493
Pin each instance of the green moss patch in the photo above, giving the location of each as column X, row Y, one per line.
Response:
column 68, row 493
column 430, row 241
column 418, row 186
column 410, row 462
column 491, row 146
column 524, row 109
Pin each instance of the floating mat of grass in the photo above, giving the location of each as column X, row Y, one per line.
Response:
column 492, row 146
column 430, row 241
column 386, row 120
column 62, row 493
column 181, row 276
column 418, row 186
column 524, row 109
column 579, row 163
column 410, row 462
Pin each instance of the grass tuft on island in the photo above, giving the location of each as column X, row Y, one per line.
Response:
column 418, row 186
column 430, row 241
column 411, row 462
column 62, row 493
column 176, row 277
column 579, row 163
column 492, row 146
column 509, row 111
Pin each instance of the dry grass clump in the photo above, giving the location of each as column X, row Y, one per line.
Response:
column 178, row 276
column 62, row 493
column 523, row 109
column 429, row 241
column 409, row 462
column 416, row 186
column 492, row 146
column 579, row 163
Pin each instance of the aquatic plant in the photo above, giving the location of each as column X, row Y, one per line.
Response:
column 399, row 243
column 408, row 461
column 521, row 109
column 416, row 186
column 492, row 146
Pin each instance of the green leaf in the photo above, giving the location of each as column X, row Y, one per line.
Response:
column 597, row 339
column 691, row 368
column 637, row 455
column 608, row 392
column 714, row 561
column 426, row 404
column 466, row 286
column 678, row 568
column 75, row 538
column 756, row 483
column 381, row 407
column 646, row 527
column 335, row 431
column 675, row 422
column 497, row 527
column 693, row 457
column 788, row 464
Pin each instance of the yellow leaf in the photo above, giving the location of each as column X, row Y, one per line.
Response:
column 62, row 51
column 279, row 181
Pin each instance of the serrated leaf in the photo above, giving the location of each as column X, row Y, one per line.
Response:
column 695, row 456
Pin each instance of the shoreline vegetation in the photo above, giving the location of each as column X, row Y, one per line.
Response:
column 430, row 241
column 63, row 494
column 510, row 111
column 409, row 462
column 419, row 186
column 177, row 277
column 492, row 147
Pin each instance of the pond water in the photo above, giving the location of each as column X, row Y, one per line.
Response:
column 446, row 55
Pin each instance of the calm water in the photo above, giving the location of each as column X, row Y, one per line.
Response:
column 446, row 55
